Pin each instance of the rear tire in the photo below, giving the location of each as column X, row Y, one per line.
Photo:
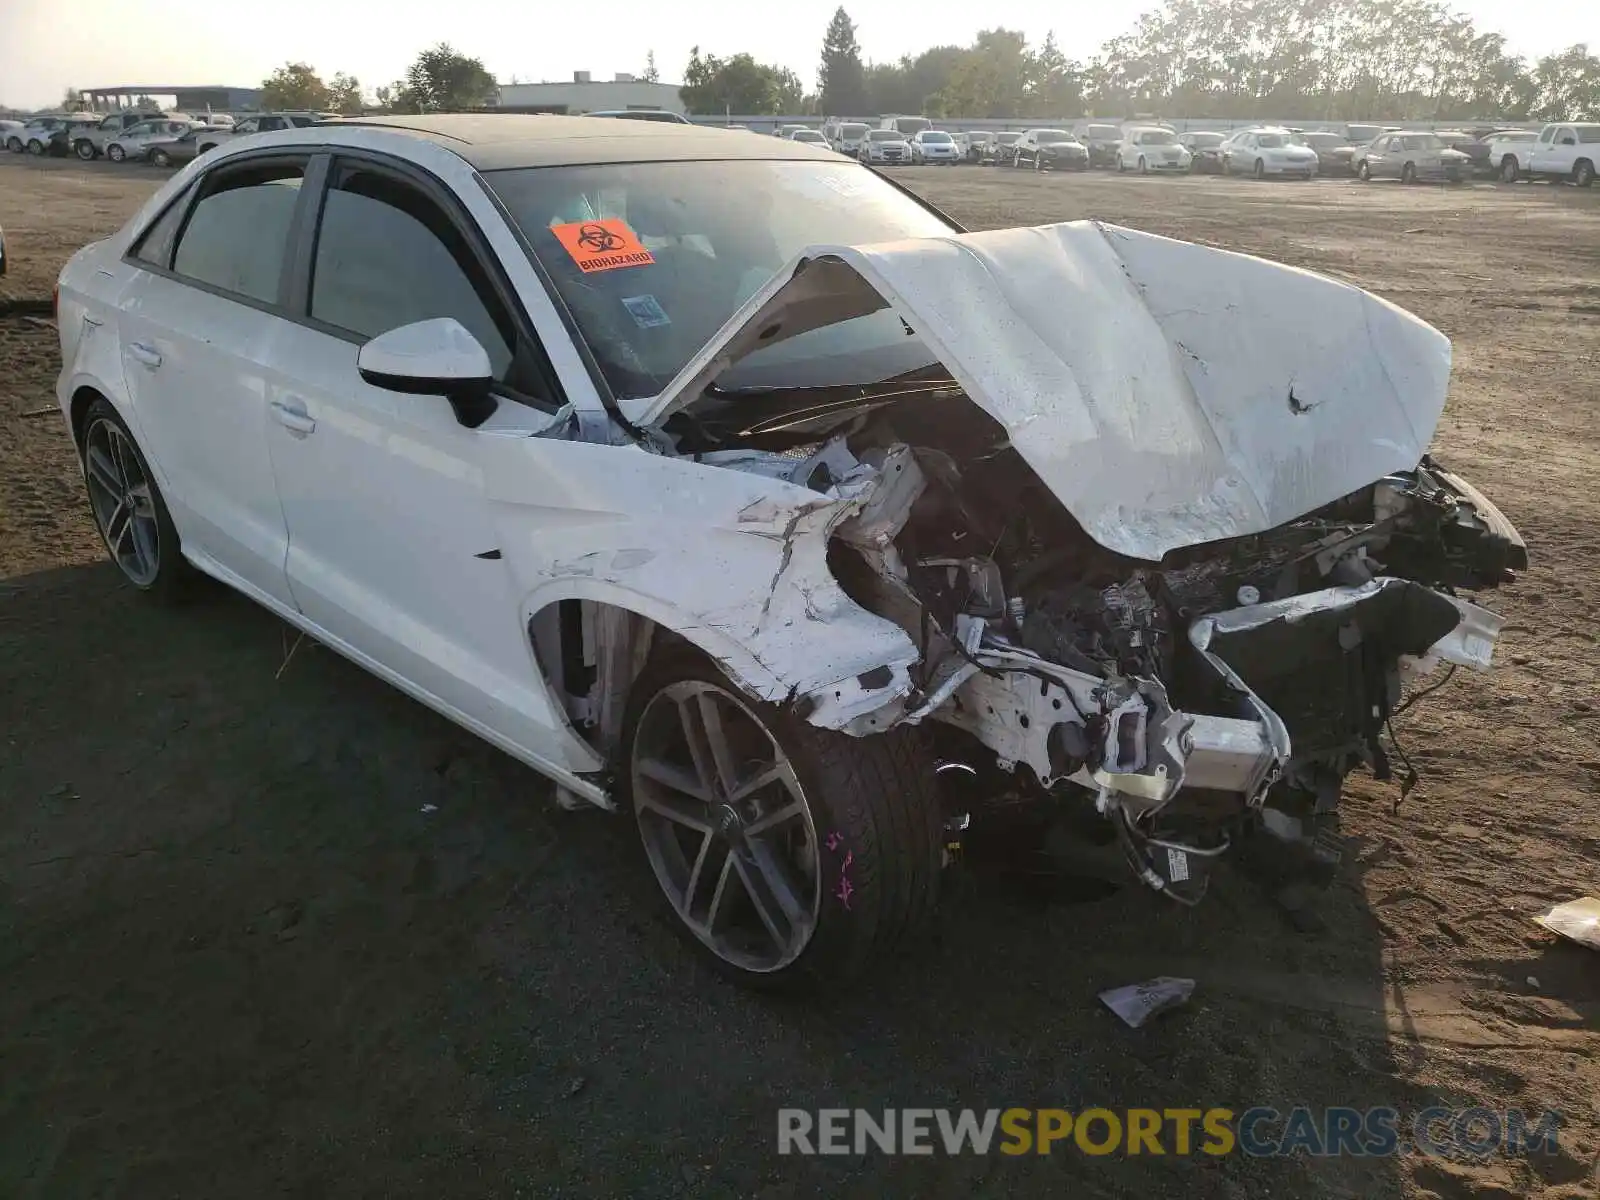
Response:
column 160, row 158
column 14, row 144
column 129, row 510
column 36, row 148
column 1364, row 172
column 857, row 858
column 1260, row 169
column 1408, row 173
column 1144, row 167
column 1510, row 172
column 1583, row 173
column 85, row 150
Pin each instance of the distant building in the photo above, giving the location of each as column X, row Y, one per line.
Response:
column 584, row 94
column 177, row 97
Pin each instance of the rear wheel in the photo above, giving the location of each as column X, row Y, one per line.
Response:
column 161, row 158
column 35, row 146
column 1583, row 173
column 1260, row 169
column 788, row 855
column 128, row 508
column 14, row 144
column 1408, row 173
column 1509, row 170
column 85, row 150
column 1144, row 167
column 1364, row 172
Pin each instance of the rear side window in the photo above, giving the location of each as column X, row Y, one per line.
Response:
column 387, row 255
column 237, row 236
column 155, row 247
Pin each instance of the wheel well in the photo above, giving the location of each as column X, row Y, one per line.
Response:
column 589, row 653
column 78, row 413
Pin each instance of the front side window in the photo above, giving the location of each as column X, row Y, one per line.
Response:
column 652, row 259
column 111, row 123
column 237, row 236
column 388, row 256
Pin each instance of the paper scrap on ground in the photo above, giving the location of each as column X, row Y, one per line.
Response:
column 1138, row 1002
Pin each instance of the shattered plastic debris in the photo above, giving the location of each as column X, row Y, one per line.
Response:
column 1577, row 920
column 1138, row 1002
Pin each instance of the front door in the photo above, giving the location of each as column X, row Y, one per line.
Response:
column 196, row 328
column 392, row 549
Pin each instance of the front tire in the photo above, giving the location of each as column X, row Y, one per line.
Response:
column 1144, row 167
column 128, row 508
column 85, row 150
column 1408, row 173
column 160, row 158
column 1364, row 172
column 36, row 148
column 116, row 153
column 788, row 856
column 1260, row 169
column 14, row 144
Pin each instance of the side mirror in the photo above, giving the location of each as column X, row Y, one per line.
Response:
column 438, row 357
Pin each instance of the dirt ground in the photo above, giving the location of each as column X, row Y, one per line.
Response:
column 240, row 956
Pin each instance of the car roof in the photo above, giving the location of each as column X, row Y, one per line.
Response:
column 502, row 141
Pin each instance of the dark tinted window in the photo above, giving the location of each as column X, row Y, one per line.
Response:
column 387, row 256
column 238, row 234
column 302, row 122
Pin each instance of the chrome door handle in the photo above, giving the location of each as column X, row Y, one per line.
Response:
column 293, row 418
column 148, row 355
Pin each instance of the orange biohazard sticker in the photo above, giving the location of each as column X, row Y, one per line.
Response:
column 602, row 245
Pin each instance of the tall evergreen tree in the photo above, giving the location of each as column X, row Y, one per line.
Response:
column 841, row 81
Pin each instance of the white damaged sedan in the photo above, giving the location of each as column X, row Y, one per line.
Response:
column 732, row 487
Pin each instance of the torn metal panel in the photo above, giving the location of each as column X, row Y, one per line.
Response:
column 1168, row 394
column 751, row 587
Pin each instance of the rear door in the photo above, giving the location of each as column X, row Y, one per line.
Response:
column 392, row 545
column 197, row 327
column 1541, row 157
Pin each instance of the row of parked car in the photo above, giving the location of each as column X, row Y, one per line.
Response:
column 1565, row 150
column 163, row 138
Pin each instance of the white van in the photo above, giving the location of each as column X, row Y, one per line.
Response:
column 909, row 126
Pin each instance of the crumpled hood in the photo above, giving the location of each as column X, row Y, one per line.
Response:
column 1167, row 393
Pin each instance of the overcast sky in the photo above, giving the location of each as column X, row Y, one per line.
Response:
column 47, row 45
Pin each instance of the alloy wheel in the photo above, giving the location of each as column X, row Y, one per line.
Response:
column 120, row 497
column 726, row 826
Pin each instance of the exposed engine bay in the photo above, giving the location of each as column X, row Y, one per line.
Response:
column 1227, row 689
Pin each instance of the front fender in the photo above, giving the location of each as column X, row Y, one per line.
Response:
column 734, row 563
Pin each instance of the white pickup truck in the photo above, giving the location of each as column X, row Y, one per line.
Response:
column 260, row 123
column 1565, row 150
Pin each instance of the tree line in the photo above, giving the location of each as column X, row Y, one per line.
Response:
column 439, row 80
column 1312, row 59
